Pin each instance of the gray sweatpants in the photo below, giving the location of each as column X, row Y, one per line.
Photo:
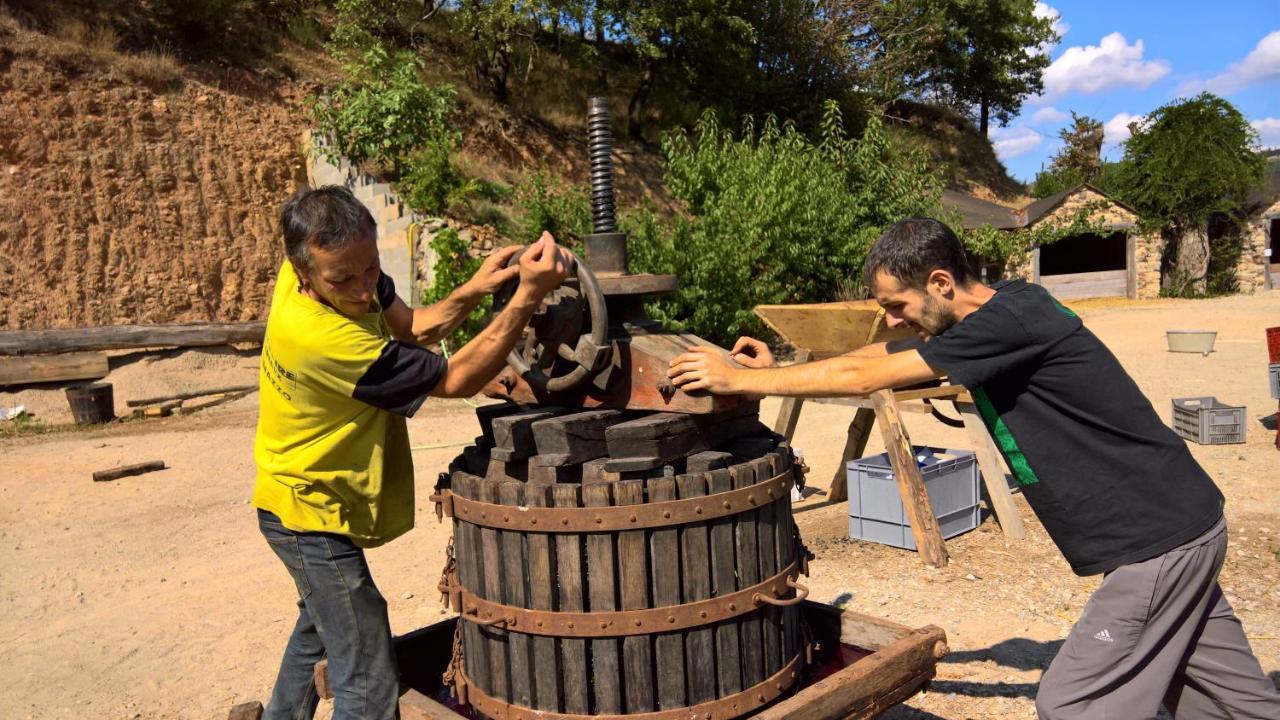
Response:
column 1160, row 631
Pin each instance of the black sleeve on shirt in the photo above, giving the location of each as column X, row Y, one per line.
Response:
column 386, row 291
column 988, row 343
column 401, row 378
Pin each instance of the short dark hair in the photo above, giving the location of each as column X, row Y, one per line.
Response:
column 328, row 217
column 911, row 249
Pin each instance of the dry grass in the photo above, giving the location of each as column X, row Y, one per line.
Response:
column 78, row 43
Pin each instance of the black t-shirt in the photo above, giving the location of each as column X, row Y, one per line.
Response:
column 1111, row 484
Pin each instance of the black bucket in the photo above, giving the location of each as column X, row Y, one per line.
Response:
column 94, row 403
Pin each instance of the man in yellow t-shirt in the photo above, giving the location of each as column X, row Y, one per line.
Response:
column 342, row 367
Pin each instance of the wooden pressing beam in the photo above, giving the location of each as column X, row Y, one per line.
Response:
column 52, row 368
column 116, row 337
column 915, row 499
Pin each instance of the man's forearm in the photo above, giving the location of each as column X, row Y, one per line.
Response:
column 433, row 323
column 480, row 360
column 835, row 377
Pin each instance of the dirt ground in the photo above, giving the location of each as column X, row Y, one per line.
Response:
column 155, row 596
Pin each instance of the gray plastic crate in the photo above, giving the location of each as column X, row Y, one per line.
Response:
column 875, row 507
column 1206, row 421
column 1274, row 377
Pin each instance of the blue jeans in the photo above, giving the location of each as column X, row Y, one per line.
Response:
column 341, row 615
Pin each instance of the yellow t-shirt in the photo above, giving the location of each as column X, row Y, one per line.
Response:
column 332, row 449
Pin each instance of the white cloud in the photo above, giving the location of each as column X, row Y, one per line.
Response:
column 1116, row 130
column 1015, row 141
column 1268, row 132
column 1048, row 116
column 1260, row 65
column 1045, row 10
column 1112, row 63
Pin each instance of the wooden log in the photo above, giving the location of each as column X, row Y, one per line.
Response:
column 52, row 368
column 157, row 400
column 668, row 647
column 651, row 441
column 992, row 472
column 542, row 585
column 513, row 434
column 594, row 471
column 573, row 439
column 915, row 499
column 470, row 558
column 116, row 337
column 116, row 473
column 569, row 570
column 724, row 580
column 789, row 413
column 495, row 637
column 748, row 565
column 767, row 537
column 602, row 581
column 696, row 566
column 633, row 566
column 515, row 593
column 486, row 414
column 855, row 444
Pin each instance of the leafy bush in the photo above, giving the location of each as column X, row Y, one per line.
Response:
column 546, row 202
column 454, row 266
column 772, row 217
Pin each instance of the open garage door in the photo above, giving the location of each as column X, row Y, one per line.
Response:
column 1086, row 266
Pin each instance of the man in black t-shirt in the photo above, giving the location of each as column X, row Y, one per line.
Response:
column 1117, row 491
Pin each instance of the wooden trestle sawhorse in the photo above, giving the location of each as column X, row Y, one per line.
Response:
column 830, row 329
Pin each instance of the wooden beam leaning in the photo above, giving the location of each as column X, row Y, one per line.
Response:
column 118, row 337
column 915, row 499
column 52, row 368
column 992, row 472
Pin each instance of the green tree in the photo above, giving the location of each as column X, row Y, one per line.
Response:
column 988, row 61
column 1081, row 147
column 1187, row 162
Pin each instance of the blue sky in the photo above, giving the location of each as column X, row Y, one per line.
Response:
column 1118, row 60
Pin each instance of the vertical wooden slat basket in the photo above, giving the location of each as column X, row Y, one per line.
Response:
column 672, row 596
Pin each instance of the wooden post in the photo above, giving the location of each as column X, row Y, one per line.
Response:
column 789, row 414
column 915, row 499
column 854, row 445
column 992, row 472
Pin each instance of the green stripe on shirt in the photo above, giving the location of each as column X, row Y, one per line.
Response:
column 1022, row 471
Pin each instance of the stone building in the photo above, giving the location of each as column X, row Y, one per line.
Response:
column 1119, row 261
column 1259, row 266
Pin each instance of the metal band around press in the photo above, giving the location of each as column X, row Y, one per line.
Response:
column 619, row 623
column 617, row 517
column 731, row 706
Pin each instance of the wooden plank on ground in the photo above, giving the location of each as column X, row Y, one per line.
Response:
column 117, row 337
column 633, row 566
column 602, row 581
column 570, row 571
column 696, row 556
column 52, row 368
column 116, row 473
column 668, row 647
column 915, row 499
column 992, row 472
column 158, row 399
